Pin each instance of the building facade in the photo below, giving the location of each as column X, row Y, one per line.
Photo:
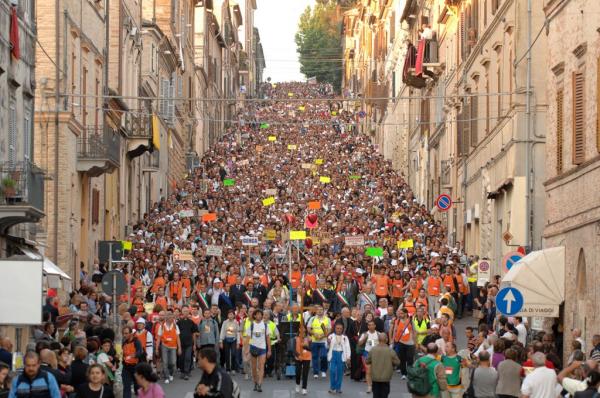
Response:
column 573, row 154
column 468, row 121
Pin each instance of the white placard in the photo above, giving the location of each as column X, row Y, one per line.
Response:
column 212, row 250
column 358, row 240
column 539, row 310
column 249, row 241
column 187, row 213
column 271, row 192
column 21, row 292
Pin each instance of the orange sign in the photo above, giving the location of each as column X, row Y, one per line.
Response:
column 314, row 205
column 209, row 217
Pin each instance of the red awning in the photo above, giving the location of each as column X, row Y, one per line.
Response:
column 420, row 54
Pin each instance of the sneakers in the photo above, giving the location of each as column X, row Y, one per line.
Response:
column 259, row 388
column 297, row 387
column 233, row 372
column 323, row 374
column 167, row 381
column 316, row 376
column 186, row 377
column 403, row 377
column 255, row 387
column 331, row 391
column 304, row 391
column 170, row 378
column 339, row 391
column 368, row 389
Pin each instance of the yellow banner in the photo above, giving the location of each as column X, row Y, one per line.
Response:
column 297, row 235
column 268, row 201
column 270, row 234
column 318, row 161
column 292, row 147
column 325, row 180
column 272, row 138
column 155, row 132
column 405, row 244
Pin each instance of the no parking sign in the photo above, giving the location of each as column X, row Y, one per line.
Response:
column 443, row 202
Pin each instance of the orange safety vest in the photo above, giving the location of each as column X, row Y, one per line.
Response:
column 410, row 307
column 158, row 283
column 402, row 332
column 231, row 279
column 462, row 286
column 162, row 300
column 296, row 279
column 143, row 338
column 433, row 286
column 175, row 290
column 187, row 284
column 381, row 285
column 397, row 285
column 422, row 301
column 129, row 357
column 449, row 283
column 312, row 280
column 196, row 319
column 169, row 336
column 264, row 280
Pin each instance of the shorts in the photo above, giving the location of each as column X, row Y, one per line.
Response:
column 257, row 352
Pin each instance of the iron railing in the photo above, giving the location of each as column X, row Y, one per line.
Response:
column 21, row 183
column 137, row 126
column 97, row 144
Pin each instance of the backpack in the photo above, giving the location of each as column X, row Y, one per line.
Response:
column 418, row 379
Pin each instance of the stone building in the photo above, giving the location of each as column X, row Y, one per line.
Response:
column 573, row 155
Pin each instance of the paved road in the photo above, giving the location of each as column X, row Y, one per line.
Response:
column 316, row 388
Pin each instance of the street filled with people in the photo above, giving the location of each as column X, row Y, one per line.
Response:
column 294, row 252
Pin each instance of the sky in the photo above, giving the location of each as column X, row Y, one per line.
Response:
column 277, row 22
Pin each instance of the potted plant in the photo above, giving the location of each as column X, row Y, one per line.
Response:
column 9, row 186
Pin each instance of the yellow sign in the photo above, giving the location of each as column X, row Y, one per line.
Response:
column 325, row 180
column 307, row 166
column 155, row 132
column 318, row 161
column 297, row 235
column 290, row 94
column 301, row 108
column 405, row 244
column 272, row 138
column 268, row 201
column 127, row 245
column 292, row 147
column 333, row 113
column 270, row 234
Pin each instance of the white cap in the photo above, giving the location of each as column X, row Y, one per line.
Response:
column 217, row 280
column 141, row 320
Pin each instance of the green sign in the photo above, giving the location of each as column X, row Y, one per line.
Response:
column 374, row 251
column 264, row 125
column 228, row 182
column 355, row 177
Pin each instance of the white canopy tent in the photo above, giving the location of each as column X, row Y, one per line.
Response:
column 53, row 273
column 540, row 277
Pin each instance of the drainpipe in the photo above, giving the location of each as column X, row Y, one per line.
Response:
column 528, row 186
column 56, row 126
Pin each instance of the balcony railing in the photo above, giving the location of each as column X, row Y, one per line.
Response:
column 21, row 184
column 98, row 151
column 137, row 126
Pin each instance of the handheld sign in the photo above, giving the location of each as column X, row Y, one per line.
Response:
column 297, row 235
column 264, row 125
column 314, row 205
column 272, row 138
column 443, row 202
column 292, row 147
column 325, row 180
column 127, row 245
column 319, row 161
column 509, row 301
column 268, row 201
column 405, row 244
column 209, row 217
column 249, row 241
column 228, row 182
column 357, row 240
column 374, row 252
column 270, row 234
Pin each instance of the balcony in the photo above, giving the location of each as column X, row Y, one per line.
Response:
column 21, row 194
column 138, row 130
column 98, row 151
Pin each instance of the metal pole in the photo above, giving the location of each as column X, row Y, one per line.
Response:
column 114, row 292
column 528, row 207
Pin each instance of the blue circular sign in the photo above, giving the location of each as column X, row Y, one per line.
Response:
column 443, row 202
column 510, row 259
column 362, row 114
column 509, row 301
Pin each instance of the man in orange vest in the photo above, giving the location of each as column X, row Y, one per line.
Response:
column 401, row 333
column 132, row 353
column 145, row 338
column 433, row 286
column 170, row 345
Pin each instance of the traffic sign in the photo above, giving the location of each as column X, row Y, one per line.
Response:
column 483, row 272
column 510, row 259
column 443, row 202
column 507, row 237
column 113, row 282
column 362, row 114
column 509, row 301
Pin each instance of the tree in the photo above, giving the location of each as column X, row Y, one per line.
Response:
column 319, row 44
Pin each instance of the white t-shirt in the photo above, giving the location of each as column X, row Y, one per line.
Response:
column 257, row 339
column 522, row 337
column 541, row 383
column 372, row 340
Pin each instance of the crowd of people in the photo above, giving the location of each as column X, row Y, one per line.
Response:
column 294, row 245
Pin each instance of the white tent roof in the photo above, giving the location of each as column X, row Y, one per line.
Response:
column 540, row 276
column 49, row 267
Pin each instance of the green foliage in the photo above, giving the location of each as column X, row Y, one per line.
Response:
column 319, row 44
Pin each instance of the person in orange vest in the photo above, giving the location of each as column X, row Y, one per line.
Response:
column 433, row 285
column 422, row 299
column 310, row 277
column 145, row 338
column 169, row 345
column 382, row 283
column 175, row 290
column 187, row 286
column 132, row 353
column 403, row 337
column 397, row 289
column 160, row 299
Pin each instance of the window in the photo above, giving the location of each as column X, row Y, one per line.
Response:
column 598, row 104
column 97, row 106
column 495, row 6
column 578, row 118
column 27, row 129
column 84, row 110
column 12, row 129
column 559, row 131
column 473, row 117
column 95, row 206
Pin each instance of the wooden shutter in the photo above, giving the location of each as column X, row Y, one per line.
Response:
column 95, row 206
column 463, row 35
column 473, row 117
column 559, row 131
column 12, row 131
column 578, row 118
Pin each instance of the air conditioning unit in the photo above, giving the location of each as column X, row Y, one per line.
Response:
column 468, row 217
column 476, row 211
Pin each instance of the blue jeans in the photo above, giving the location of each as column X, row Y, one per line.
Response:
column 336, row 371
column 169, row 360
column 319, row 351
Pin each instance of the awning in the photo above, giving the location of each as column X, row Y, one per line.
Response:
column 540, row 277
column 49, row 267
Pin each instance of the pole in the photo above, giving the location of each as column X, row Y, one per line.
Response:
column 114, row 291
column 528, row 207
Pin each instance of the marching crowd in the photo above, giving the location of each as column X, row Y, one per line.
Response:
column 294, row 245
